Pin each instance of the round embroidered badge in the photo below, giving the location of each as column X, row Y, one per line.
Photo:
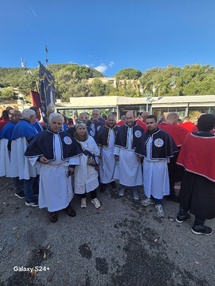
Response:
column 67, row 140
column 158, row 142
column 137, row 133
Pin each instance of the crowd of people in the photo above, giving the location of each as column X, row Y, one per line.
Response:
column 49, row 165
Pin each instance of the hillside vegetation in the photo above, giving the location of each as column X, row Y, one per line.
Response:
column 72, row 81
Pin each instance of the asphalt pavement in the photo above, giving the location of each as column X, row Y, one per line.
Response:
column 120, row 244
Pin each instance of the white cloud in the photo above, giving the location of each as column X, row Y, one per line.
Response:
column 101, row 68
column 111, row 64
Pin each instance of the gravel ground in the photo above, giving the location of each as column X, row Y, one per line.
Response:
column 122, row 243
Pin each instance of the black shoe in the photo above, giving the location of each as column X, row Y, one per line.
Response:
column 20, row 195
column 172, row 198
column 53, row 216
column 182, row 218
column 113, row 185
column 102, row 188
column 70, row 211
column 201, row 229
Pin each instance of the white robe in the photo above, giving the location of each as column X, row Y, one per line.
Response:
column 129, row 172
column 107, row 164
column 20, row 165
column 85, row 176
column 155, row 175
column 55, row 187
column 5, row 165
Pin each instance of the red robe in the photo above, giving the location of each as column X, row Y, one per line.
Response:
column 187, row 125
column 3, row 122
column 141, row 124
column 120, row 123
column 197, row 155
column 175, row 131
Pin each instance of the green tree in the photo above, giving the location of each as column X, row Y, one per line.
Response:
column 97, row 88
column 7, row 93
column 110, row 90
column 128, row 73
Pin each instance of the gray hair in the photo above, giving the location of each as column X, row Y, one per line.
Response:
column 55, row 114
column 80, row 124
column 97, row 110
column 13, row 112
column 83, row 113
column 111, row 115
column 27, row 113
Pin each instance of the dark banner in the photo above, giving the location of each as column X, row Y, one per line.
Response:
column 47, row 95
column 35, row 97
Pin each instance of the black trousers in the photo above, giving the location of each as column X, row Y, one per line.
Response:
column 93, row 195
column 197, row 195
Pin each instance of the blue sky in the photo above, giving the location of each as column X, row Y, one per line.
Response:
column 108, row 35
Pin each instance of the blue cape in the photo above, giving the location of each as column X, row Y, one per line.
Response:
column 7, row 130
column 38, row 126
column 23, row 129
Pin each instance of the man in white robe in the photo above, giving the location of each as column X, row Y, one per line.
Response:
column 22, row 134
column 129, row 172
column 58, row 154
column 106, row 140
column 156, row 146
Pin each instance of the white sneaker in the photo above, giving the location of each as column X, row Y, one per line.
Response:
column 121, row 192
column 147, row 202
column 135, row 195
column 96, row 203
column 160, row 211
column 83, row 203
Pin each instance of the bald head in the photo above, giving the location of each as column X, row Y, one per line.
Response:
column 129, row 113
column 172, row 118
column 144, row 115
column 129, row 118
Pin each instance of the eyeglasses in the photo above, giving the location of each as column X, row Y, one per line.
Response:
column 95, row 114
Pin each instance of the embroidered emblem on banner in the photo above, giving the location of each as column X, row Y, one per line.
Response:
column 138, row 133
column 67, row 140
column 159, row 142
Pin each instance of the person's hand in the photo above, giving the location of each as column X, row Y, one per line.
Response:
column 43, row 160
column 139, row 159
column 70, row 171
column 116, row 158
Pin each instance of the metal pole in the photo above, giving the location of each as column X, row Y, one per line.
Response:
column 46, row 49
column 147, row 104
